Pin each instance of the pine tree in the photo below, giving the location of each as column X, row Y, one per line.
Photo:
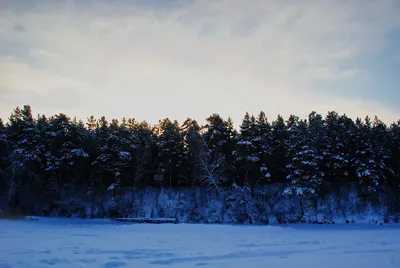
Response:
column 170, row 144
column 302, row 167
column 318, row 141
column 6, row 170
column 279, row 148
column 192, row 145
column 105, row 172
column 78, row 153
column 3, row 137
column 60, row 153
column 92, row 123
column 247, row 154
column 26, row 159
column 264, row 147
column 25, row 138
column 145, row 158
column 335, row 157
column 394, row 147
column 370, row 155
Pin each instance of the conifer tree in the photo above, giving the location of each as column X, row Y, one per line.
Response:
column 170, row 144
column 280, row 147
column 264, row 146
column 335, row 151
column 192, row 146
column 247, row 153
column 394, row 147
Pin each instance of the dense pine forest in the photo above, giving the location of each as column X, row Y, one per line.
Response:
column 98, row 168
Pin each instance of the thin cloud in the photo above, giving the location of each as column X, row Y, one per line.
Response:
column 194, row 58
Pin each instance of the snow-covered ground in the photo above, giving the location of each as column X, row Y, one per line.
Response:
column 101, row 243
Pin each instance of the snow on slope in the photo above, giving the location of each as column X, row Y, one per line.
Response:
column 102, row 243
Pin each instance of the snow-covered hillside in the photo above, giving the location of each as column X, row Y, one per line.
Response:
column 232, row 205
column 102, row 243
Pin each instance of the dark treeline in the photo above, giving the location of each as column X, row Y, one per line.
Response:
column 40, row 157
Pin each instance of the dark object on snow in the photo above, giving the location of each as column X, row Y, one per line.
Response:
column 148, row 220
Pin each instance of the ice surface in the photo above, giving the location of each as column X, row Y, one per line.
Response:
column 102, row 243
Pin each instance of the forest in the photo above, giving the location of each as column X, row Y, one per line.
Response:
column 50, row 164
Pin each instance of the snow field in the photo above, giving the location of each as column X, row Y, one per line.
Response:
column 102, row 243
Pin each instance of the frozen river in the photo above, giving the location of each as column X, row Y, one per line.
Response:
column 102, row 243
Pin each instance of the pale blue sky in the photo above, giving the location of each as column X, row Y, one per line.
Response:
column 177, row 59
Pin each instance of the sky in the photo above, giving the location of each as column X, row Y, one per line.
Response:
column 152, row 59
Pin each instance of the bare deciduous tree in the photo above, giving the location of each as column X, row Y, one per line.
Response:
column 209, row 171
column 12, row 181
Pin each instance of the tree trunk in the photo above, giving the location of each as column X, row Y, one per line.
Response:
column 301, row 207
